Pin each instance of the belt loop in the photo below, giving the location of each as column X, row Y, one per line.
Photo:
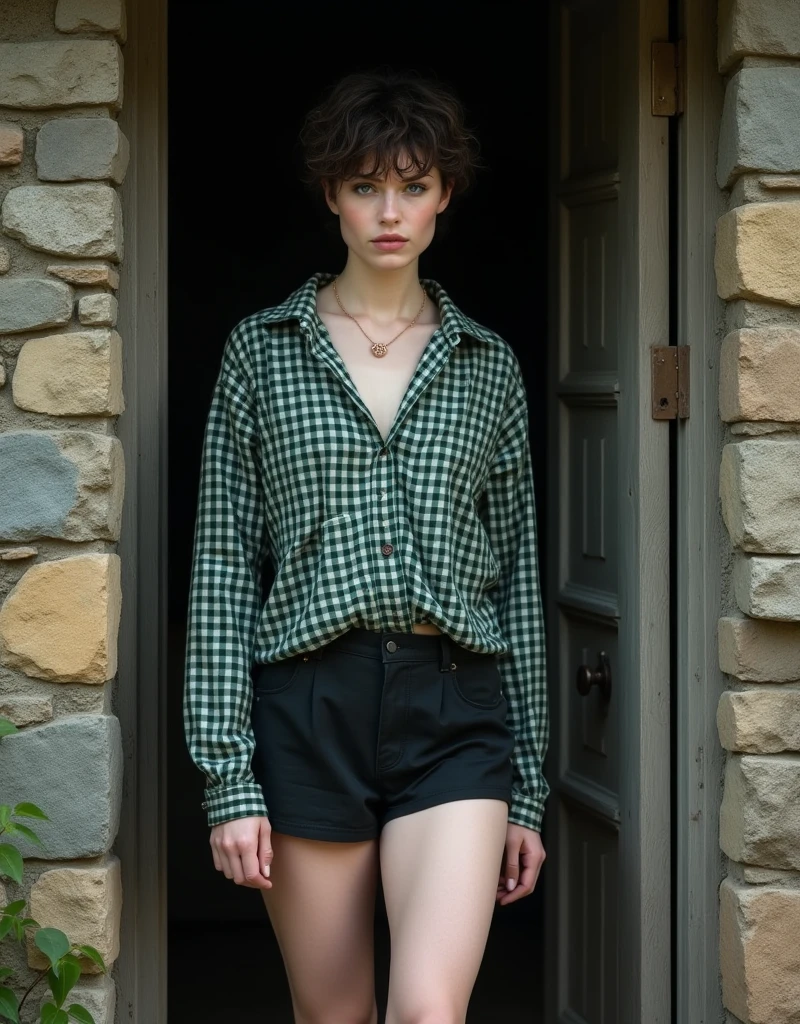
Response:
column 445, row 660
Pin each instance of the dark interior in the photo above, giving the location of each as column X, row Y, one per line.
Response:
column 244, row 233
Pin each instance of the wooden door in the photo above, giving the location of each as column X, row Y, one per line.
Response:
column 608, row 826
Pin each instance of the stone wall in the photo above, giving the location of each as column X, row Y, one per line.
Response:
column 62, row 473
column 758, row 273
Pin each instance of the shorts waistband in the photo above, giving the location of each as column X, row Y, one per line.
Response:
column 389, row 646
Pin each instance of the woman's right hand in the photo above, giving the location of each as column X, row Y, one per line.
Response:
column 242, row 850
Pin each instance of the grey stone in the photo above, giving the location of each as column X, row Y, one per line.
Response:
column 760, row 812
column 91, row 16
column 758, row 131
column 67, row 484
column 71, row 768
column 98, row 310
column 61, row 73
column 69, row 220
column 768, row 587
column 28, row 303
column 5, row 260
column 81, row 148
column 769, row 28
column 97, row 994
column 760, row 492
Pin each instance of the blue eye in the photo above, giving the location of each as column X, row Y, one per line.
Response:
column 416, row 185
column 358, row 189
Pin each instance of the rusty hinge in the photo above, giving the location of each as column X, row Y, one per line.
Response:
column 668, row 69
column 670, row 382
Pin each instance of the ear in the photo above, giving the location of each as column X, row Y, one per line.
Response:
column 327, row 191
column 447, row 191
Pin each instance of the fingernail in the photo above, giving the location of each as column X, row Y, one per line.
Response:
column 266, row 871
column 511, row 883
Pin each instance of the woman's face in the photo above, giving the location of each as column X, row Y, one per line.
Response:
column 388, row 222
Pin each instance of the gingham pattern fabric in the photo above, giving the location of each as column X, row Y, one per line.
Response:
column 435, row 524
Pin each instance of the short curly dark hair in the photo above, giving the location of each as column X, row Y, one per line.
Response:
column 371, row 121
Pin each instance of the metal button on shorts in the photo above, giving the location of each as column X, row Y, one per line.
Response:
column 376, row 725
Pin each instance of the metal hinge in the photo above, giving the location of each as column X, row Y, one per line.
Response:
column 670, row 382
column 668, row 77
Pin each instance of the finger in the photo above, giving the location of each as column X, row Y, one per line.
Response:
column 511, row 873
column 524, row 886
column 215, row 855
column 251, row 870
column 265, row 850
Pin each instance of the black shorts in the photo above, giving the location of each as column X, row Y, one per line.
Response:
column 376, row 725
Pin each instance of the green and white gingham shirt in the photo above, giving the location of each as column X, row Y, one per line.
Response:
column 435, row 524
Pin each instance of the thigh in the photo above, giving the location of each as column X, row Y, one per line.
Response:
column 440, row 868
column 321, row 907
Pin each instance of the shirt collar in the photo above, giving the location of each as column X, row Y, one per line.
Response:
column 301, row 305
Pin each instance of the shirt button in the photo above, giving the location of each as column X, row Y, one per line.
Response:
column 391, row 646
column 383, row 452
column 386, row 549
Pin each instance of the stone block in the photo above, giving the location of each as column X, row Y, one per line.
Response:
column 759, row 952
column 760, row 375
column 12, row 141
column 31, row 303
column 759, row 819
column 17, row 554
column 60, row 621
column 69, row 220
column 759, row 487
column 24, row 711
column 759, row 722
column 5, row 260
column 768, row 588
column 84, row 902
column 97, row 994
column 758, row 253
column 61, row 73
column 91, row 16
column 72, row 768
column 86, row 274
column 69, row 484
column 98, row 310
column 758, row 127
column 759, row 651
column 768, row 28
column 73, row 374
column 81, row 148
column 2, row 373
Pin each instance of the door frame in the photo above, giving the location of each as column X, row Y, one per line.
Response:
column 139, row 701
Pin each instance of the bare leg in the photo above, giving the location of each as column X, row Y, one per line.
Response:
column 322, row 907
column 440, row 869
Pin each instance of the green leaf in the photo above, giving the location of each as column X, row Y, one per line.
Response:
column 52, row 1015
column 25, row 810
column 92, row 954
column 69, row 970
column 8, row 1005
column 14, row 908
column 54, row 944
column 80, row 1014
column 5, row 815
column 14, row 828
column 6, row 727
column 28, row 922
column 5, row 972
column 10, row 862
column 5, row 925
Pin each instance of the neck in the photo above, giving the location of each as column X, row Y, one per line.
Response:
column 380, row 294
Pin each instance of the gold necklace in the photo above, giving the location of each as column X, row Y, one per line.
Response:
column 379, row 347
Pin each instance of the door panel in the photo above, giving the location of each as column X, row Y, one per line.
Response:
column 607, row 831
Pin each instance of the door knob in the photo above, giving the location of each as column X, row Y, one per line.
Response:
column 586, row 677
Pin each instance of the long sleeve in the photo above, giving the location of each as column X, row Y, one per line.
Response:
column 509, row 516
column 225, row 597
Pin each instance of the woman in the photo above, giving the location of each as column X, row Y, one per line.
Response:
column 383, row 706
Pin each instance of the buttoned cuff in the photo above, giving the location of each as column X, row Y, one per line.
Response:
column 526, row 810
column 234, row 800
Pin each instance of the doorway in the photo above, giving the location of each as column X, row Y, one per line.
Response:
column 243, row 234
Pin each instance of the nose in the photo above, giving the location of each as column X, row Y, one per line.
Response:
column 389, row 210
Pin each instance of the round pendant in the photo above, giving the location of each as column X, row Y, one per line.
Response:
column 378, row 349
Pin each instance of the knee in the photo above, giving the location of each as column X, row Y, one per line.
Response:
column 429, row 1015
column 338, row 1015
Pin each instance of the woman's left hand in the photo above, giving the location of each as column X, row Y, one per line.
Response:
column 522, row 861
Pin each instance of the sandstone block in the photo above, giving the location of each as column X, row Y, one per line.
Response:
column 69, row 220
column 759, row 651
column 85, row 274
column 2, row 373
column 85, row 903
column 98, row 310
column 760, row 375
column 759, row 722
column 5, row 260
column 97, row 994
column 24, row 711
column 72, row 768
column 61, row 73
column 760, row 814
column 760, row 491
column 60, row 621
column 759, row 952
column 768, row 28
column 69, row 485
column 30, row 303
column 81, row 148
column 762, row 106
column 91, row 16
column 17, row 554
column 71, row 374
column 768, row 588
column 11, row 142
column 758, row 253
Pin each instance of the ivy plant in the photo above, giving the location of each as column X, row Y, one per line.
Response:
column 64, row 965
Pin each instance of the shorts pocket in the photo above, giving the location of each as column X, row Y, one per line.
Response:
column 477, row 682
column 277, row 676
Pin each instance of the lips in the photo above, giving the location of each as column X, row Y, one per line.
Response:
column 389, row 243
